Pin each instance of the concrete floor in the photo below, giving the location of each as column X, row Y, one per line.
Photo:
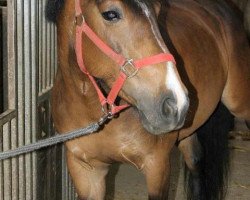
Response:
column 126, row 183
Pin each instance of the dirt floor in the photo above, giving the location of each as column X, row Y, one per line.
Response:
column 126, row 183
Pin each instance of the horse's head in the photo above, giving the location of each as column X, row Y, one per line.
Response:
column 130, row 28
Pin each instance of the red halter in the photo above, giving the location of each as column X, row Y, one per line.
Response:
column 128, row 67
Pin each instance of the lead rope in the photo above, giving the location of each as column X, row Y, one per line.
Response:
column 57, row 139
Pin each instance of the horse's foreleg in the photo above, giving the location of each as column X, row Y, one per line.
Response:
column 89, row 180
column 157, row 171
column 192, row 153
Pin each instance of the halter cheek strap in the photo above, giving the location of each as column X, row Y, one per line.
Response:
column 128, row 67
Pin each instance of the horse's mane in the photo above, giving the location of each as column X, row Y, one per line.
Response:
column 53, row 7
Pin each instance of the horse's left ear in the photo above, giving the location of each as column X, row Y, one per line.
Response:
column 157, row 7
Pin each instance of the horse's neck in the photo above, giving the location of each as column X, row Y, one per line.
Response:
column 74, row 99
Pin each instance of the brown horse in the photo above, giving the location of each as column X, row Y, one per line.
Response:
column 213, row 61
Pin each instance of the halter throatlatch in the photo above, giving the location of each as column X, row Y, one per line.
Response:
column 128, row 67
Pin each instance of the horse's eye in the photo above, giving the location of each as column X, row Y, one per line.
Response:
column 111, row 16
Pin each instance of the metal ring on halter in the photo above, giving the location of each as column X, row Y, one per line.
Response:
column 107, row 111
column 103, row 119
column 129, row 71
column 79, row 20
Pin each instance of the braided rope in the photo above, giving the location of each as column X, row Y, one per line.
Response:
column 50, row 141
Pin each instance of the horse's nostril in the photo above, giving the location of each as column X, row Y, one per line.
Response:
column 169, row 107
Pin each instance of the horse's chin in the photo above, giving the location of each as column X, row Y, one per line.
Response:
column 153, row 129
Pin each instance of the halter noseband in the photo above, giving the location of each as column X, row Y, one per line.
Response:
column 128, row 67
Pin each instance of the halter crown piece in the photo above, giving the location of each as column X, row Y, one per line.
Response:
column 128, row 67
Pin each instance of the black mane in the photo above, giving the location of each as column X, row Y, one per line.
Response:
column 53, row 7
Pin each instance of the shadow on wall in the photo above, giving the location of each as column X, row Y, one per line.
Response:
column 3, row 55
column 1, row 62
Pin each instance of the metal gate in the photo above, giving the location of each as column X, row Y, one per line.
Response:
column 28, row 66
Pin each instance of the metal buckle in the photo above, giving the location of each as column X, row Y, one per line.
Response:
column 79, row 20
column 107, row 111
column 129, row 71
column 107, row 115
column 104, row 119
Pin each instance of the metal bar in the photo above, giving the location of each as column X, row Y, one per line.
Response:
column 34, row 90
column 44, row 50
column 7, row 116
column 64, row 175
column 11, row 55
column 31, row 53
column 14, row 161
column 73, row 191
column 56, row 50
column 4, row 58
column 53, row 152
column 48, row 52
column 49, row 178
column 12, row 114
column 53, row 166
column 20, row 95
column 27, row 94
column 44, row 95
column 6, row 163
column 69, row 188
column 53, row 61
column 2, row 49
column 1, row 166
column 67, row 181
column 40, row 45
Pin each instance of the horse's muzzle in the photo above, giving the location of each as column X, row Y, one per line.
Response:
column 164, row 116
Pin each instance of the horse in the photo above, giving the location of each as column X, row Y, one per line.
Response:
column 162, row 99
